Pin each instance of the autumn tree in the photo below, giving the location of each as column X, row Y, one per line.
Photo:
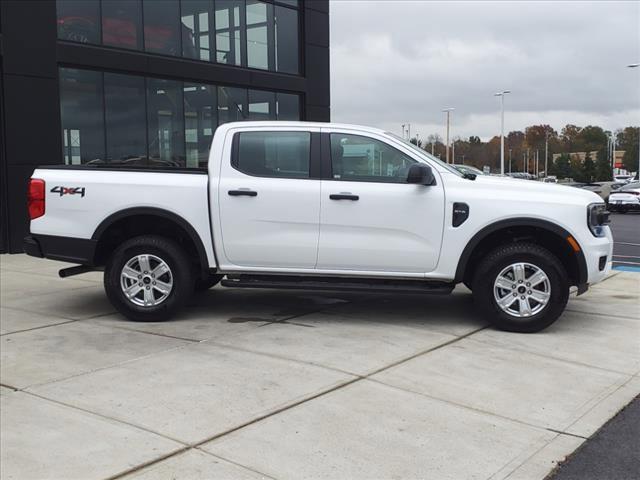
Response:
column 570, row 138
column 592, row 138
column 629, row 143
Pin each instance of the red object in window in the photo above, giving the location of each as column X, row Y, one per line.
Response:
column 35, row 198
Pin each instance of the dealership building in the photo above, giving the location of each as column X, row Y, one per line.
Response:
column 145, row 83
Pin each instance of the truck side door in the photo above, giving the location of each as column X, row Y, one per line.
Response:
column 371, row 220
column 269, row 200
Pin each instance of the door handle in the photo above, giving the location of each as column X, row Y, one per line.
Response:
column 344, row 196
column 245, row 193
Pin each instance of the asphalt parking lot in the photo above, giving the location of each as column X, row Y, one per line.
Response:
column 626, row 237
column 289, row 385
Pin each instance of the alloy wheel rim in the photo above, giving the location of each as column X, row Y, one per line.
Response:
column 146, row 280
column 522, row 290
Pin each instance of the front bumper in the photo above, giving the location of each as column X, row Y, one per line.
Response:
column 65, row 249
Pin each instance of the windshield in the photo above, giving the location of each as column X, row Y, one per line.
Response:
column 424, row 153
column 631, row 186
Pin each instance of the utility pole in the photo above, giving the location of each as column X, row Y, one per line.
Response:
column 448, row 111
column 453, row 151
column 537, row 169
column 501, row 95
column 509, row 160
column 636, row 65
column 409, row 131
column 527, row 160
column 432, row 145
column 403, row 130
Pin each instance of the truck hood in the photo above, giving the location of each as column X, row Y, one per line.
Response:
column 543, row 192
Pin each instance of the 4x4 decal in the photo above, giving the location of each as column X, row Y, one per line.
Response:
column 68, row 191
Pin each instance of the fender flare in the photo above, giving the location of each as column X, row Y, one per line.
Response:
column 520, row 222
column 157, row 212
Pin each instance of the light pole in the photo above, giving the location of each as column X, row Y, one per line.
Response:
column 448, row 110
column 636, row 65
column 501, row 95
column 509, row 160
column 546, row 152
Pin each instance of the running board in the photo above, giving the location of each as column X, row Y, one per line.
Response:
column 376, row 285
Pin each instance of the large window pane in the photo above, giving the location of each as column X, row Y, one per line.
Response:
column 262, row 105
column 125, row 118
column 288, row 107
column 274, row 154
column 259, row 27
column 197, row 23
column 365, row 159
column 82, row 116
column 229, row 22
column 122, row 23
column 232, row 104
column 165, row 117
column 78, row 20
column 162, row 27
column 200, row 122
column 286, row 38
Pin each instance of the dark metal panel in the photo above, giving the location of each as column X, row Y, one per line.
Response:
column 32, row 113
column 29, row 37
column 316, row 26
column 319, row 5
column 317, row 73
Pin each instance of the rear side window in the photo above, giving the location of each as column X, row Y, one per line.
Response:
column 273, row 154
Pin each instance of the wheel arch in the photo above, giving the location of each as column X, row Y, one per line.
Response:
column 548, row 234
column 135, row 221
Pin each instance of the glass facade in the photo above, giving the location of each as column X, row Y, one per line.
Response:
column 247, row 33
column 153, row 122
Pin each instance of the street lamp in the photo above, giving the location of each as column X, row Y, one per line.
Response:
column 448, row 110
column 635, row 65
column 501, row 95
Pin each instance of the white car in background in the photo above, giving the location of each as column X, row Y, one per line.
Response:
column 626, row 198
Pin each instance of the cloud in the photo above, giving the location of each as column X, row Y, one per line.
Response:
column 395, row 62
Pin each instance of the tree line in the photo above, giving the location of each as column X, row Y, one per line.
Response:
column 522, row 145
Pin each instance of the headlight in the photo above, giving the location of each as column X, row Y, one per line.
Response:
column 597, row 218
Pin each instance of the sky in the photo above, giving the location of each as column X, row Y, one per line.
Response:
column 397, row 62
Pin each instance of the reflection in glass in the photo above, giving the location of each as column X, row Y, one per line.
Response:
column 78, row 20
column 286, row 40
column 122, row 24
column 274, row 154
column 82, row 116
column 165, row 120
column 200, row 122
column 365, row 159
column 232, row 104
column 288, row 106
column 229, row 21
column 196, row 29
column 125, row 118
column 259, row 15
column 262, row 105
column 162, row 27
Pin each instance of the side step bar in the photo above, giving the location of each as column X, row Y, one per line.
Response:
column 337, row 284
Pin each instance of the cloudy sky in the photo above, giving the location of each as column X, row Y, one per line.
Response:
column 395, row 62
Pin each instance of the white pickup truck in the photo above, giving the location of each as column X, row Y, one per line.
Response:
column 320, row 206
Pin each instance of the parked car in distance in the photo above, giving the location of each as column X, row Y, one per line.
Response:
column 603, row 189
column 320, row 206
column 622, row 178
column 521, row 175
column 550, row 179
column 626, row 198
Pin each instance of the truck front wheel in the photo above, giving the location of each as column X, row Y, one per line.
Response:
column 148, row 278
column 521, row 287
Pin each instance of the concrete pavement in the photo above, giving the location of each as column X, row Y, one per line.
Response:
column 276, row 384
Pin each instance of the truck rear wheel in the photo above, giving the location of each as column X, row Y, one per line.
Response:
column 148, row 278
column 521, row 287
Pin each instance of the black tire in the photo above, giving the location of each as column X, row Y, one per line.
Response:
column 502, row 257
column 181, row 276
column 205, row 284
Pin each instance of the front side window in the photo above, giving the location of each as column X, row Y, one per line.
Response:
column 273, row 154
column 364, row 159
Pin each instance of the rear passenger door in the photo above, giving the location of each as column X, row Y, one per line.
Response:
column 269, row 199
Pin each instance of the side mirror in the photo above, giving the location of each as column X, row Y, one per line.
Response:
column 420, row 174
